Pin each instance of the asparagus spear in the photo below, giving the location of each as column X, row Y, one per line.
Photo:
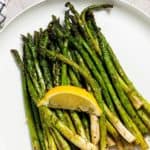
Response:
column 78, row 124
column 38, row 124
column 79, row 19
column 132, row 93
column 110, row 128
column 64, row 145
column 142, row 114
column 94, row 123
column 36, row 38
column 137, row 103
column 144, row 117
column 94, row 127
column 74, row 115
column 47, row 142
column 85, row 122
column 123, row 98
column 30, row 66
column 73, row 78
column 132, row 112
column 86, row 125
column 55, row 133
column 121, row 115
column 92, row 20
column 63, row 115
column 27, row 104
column 45, row 139
column 69, row 121
column 93, row 69
column 104, row 132
column 33, row 51
column 95, row 30
column 43, row 42
column 34, row 95
column 128, row 82
column 43, row 136
column 94, row 41
column 77, row 140
column 133, row 96
column 55, row 139
column 52, row 145
column 64, row 81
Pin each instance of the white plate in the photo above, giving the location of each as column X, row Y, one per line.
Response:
column 127, row 30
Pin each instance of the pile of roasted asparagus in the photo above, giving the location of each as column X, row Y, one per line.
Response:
column 76, row 53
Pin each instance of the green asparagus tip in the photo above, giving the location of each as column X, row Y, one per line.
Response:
column 68, row 4
column 17, row 58
column 94, row 7
column 24, row 38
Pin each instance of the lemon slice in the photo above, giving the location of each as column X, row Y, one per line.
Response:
column 71, row 98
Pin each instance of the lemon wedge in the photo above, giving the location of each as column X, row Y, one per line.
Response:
column 71, row 98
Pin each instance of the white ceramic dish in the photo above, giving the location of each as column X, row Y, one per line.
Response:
column 127, row 30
